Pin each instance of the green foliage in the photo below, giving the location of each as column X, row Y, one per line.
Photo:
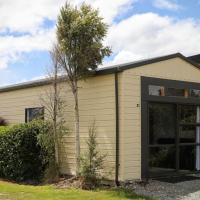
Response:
column 47, row 143
column 3, row 129
column 50, row 140
column 21, row 158
column 80, row 34
column 91, row 162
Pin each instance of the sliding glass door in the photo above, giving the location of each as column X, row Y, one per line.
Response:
column 174, row 138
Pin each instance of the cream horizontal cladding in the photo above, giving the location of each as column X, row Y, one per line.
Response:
column 96, row 103
column 130, row 110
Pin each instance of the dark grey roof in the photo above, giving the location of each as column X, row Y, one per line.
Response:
column 102, row 71
column 195, row 58
column 28, row 84
column 125, row 66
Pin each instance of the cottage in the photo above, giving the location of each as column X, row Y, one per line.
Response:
column 147, row 115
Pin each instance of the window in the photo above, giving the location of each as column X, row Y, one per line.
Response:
column 162, row 123
column 188, row 114
column 195, row 93
column 156, row 90
column 187, row 134
column 174, row 92
column 187, row 156
column 162, row 157
column 34, row 113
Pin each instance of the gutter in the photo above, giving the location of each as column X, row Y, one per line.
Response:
column 117, row 129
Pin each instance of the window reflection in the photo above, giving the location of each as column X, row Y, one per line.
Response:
column 162, row 157
column 187, row 134
column 187, row 157
column 195, row 93
column 188, row 114
column 156, row 90
column 34, row 113
column 175, row 92
column 162, row 123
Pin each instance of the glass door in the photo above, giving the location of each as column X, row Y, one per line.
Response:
column 189, row 138
column 162, row 138
column 174, row 138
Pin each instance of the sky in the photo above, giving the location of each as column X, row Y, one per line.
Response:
column 138, row 29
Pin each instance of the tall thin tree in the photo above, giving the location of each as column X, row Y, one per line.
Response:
column 54, row 105
column 80, row 49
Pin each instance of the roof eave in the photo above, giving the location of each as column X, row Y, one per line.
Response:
column 104, row 71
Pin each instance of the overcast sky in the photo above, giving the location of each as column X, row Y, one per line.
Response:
column 137, row 29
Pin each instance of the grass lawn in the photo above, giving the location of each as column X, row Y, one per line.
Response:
column 10, row 191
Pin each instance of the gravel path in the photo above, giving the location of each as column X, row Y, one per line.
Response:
column 171, row 189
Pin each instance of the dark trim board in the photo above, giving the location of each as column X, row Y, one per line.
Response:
column 144, row 140
column 146, row 99
column 26, row 110
column 117, row 130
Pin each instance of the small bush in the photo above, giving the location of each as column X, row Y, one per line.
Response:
column 21, row 158
column 91, row 162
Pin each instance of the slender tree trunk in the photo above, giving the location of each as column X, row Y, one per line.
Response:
column 77, row 135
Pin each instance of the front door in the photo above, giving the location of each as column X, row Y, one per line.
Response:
column 173, row 138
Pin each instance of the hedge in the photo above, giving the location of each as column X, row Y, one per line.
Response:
column 21, row 158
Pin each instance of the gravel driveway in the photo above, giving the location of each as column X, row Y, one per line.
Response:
column 183, row 188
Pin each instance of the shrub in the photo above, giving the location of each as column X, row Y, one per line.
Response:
column 21, row 158
column 91, row 162
column 46, row 141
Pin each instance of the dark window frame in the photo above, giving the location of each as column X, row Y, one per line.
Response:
column 26, row 113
